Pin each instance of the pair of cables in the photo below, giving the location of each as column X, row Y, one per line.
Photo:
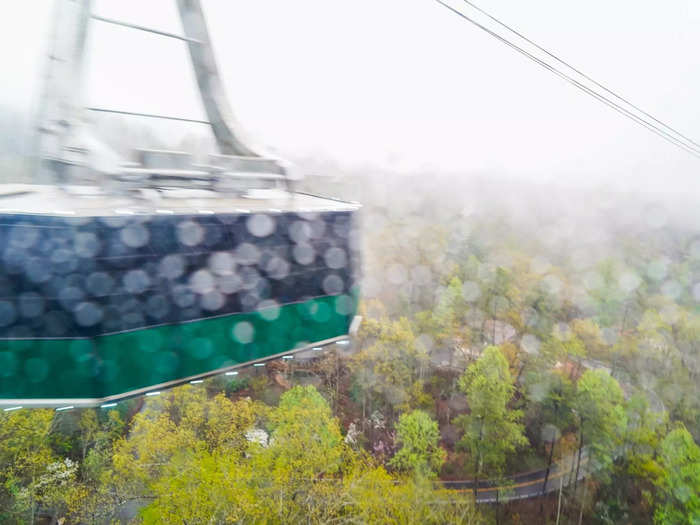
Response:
column 518, row 42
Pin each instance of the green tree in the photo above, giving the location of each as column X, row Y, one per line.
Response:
column 304, row 473
column 602, row 419
column 491, row 430
column 550, row 396
column 391, row 367
column 182, row 422
column 420, row 452
column 679, row 486
column 627, row 494
column 305, row 438
column 444, row 322
column 564, row 348
column 27, row 463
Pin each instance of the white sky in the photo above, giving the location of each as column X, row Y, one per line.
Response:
column 406, row 82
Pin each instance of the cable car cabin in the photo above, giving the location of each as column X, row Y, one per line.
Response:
column 186, row 271
column 120, row 278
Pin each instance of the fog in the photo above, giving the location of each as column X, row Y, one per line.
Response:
column 500, row 301
column 403, row 87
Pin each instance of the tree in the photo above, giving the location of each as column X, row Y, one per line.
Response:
column 679, row 487
column 420, row 453
column 370, row 495
column 303, row 474
column 491, row 429
column 602, row 419
column 637, row 470
column 392, row 365
column 500, row 300
column 180, row 423
column 643, row 436
column 588, row 332
column 444, row 321
column 549, row 395
column 27, row 462
column 305, row 438
column 563, row 347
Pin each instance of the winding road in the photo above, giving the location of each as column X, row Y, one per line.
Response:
column 524, row 485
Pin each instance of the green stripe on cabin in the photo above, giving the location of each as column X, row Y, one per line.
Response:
column 114, row 364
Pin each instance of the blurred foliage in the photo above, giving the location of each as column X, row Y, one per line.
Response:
column 418, row 436
column 492, row 430
column 679, row 494
column 237, row 384
column 491, row 338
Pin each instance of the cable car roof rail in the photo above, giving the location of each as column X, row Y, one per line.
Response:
column 144, row 28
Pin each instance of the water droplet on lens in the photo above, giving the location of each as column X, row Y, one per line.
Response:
column 303, row 254
column 530, row 344
column 70, row 296
column 212, row 301
column 37, row 270
column 344, row 305
column 30, row 304
column 134, row 235
column 190, row 233
column 23, row 236
column 221, row 263
column 260, row 225
column 88, row 314
column 86, row 244
column 470, row 291
column 157, row 306
column 672, row 289
column 243, row 332
column 136, row 281
column 99, row 283
column 269, row 310
column 8, row 313
column 247, row 253
column 249, row 278
column 229, row 284
column 335, row 258
column 183, row 296
column 332, row 284
column 172, row 266
column 202, row 281
column 277, row 268
column 300, row 231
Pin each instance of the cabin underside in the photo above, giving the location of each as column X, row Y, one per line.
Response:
column 97, row 307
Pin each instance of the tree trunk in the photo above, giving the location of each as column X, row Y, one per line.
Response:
column 31, row 500
column 520, row 371
column 498, row 514
column 578, row 462
column 364, row 410
column 371, row 424
column 583, row 501
column 337, row 382
column 546, row 475
column 561, row 482
column 477, row 462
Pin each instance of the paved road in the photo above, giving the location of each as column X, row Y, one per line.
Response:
column 529, row 484
column 523, row 485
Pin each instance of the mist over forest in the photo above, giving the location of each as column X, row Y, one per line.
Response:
column 509, row 326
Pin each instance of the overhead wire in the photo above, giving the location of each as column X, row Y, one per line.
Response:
column 579, row 72
column 687, row 146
